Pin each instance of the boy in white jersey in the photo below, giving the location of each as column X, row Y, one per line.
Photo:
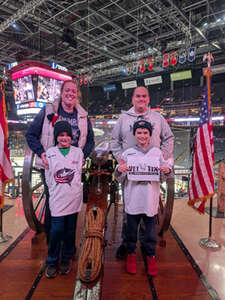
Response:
column 140, row 167
column 64, row 182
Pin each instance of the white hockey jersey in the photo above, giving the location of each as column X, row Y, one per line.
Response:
column 142, row 196
column 64, row 181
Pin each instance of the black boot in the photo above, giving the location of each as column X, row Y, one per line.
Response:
column 121, row 252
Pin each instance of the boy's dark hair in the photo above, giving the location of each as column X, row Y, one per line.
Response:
column 142, row 124
column 62, row 126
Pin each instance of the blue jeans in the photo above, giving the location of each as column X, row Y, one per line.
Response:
column 149, row 234
column 47, row 218
column 62, row 238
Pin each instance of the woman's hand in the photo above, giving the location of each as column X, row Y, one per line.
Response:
column 44, row 160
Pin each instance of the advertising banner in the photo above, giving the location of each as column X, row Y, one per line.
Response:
column 181, row 75
column 129, row 84
column 109, row 88
column 153, row 80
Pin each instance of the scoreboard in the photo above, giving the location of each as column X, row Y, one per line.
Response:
column 35, row 84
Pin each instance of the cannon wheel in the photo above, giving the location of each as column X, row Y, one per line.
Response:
column 33, row 206
column 166, row 207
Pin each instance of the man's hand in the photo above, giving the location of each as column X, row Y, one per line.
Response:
column 44, row 160
column 122, row 166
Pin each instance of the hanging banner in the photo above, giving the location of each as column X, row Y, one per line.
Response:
column 150, row 63
column 142, row 65
column 181, row 75
column 135, row 67
column 173, row 58
column 166, row 60
column 129, row 68
column 153, row 80
column 85, row 78
column 191, row 54
column 182, row 57
column 158, row 63
column 129, row 84
column 81, row 79
column 91, row 77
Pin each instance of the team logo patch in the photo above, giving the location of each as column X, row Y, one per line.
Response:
column 64, row 176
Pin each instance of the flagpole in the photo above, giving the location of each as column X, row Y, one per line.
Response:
column 210, row 218
column 209, row 242
column 6, row 237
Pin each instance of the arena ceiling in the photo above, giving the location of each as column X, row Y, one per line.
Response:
column 101, row 37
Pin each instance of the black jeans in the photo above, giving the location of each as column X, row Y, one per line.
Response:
column 149, row 235
column 124, row 224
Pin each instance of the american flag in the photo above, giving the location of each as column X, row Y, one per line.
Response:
column 201, row 185
column 6, row 173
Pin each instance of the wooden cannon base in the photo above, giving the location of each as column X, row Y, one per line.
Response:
column 22, row 272
column 92, row 290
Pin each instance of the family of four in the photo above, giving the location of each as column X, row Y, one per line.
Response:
column 62, row 137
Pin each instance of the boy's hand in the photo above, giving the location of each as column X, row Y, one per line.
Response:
column 165, row 169
column 122, row 166
column 44, row 160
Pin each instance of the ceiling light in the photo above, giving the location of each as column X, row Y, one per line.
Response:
column 124, row 71
column 216, row 45
column 14, row 25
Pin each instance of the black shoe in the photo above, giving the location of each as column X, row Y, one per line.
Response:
column 51, row 271
column 65, row 268
column 121, row 252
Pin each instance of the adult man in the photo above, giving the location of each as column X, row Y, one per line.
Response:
column 40, row 133
column 122, row 138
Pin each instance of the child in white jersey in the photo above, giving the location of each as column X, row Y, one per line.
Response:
column 140, row 167
column 64, row 182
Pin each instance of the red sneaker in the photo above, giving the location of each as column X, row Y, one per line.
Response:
column 152, row 266
column 131, row 266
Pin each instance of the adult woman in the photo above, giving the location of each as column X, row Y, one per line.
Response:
column 40, row 136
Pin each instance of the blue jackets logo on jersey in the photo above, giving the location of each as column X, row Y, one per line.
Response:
column 64, row 176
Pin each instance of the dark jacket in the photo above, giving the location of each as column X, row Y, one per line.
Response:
column 35, row 130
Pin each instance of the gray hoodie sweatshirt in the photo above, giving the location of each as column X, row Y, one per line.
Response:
column 123, row 138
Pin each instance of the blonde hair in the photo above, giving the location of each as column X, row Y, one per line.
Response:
column 79, row 94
